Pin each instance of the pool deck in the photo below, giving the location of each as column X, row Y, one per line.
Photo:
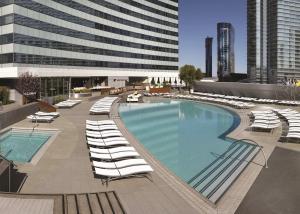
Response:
column 65, row 167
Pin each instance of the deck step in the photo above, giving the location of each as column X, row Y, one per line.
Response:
column 83, row 204
column 216, row 178
column 92, row 203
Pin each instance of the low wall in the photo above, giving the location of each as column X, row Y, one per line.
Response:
column 14, row 115
column 160, row 90
column 265, row 91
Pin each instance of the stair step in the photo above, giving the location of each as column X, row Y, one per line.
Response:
column 116, row 206
column 95, row 204
column 225, row 185
column 227, row 171
column 105, row 203
column 71, row 204
column 194, row 179
column 83, row 204
column 216, row 168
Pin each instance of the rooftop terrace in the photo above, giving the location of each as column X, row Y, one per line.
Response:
column 65, row 168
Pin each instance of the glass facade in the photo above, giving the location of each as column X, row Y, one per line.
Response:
column 208, row 56
column 225, row 50
column 95, row 38
column 257, row 40
column 273, row 40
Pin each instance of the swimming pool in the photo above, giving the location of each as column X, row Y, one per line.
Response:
column 188, row 138
column 21, row 145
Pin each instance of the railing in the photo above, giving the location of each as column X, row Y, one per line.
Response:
column 3, row 157
column 260, row 148
column 9, row 170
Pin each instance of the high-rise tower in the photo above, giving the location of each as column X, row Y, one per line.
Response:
column 225, row 50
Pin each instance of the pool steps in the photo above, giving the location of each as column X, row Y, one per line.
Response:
column 215, row 179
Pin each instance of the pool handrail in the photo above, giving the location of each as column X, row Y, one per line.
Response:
column 10, row 161
column 260, row 148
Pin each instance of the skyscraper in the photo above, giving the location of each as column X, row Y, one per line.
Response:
column 257, row 40
column 88, row 40
column 273, row 40
column 208, row 56
column 225, row 50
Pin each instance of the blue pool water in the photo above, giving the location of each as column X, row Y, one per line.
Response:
column 185, row 136
column 21, row 146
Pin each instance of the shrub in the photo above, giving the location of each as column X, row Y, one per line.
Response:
column 81, row 90
column 59, row 98
column 4, row 95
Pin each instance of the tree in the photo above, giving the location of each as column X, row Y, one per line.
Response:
column 188, row 73
column 158, row 81
column 29, row 85
column 152, row 81
column 175, row 81
column 170, row 81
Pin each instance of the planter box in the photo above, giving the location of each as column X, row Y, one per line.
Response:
column 160, row 90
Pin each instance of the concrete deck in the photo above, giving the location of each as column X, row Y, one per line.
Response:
column 279, row 185
column 65, row 168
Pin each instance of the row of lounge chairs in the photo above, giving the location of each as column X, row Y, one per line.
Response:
column 251, row 99
column 234, row 104
column 111, row 154
column 292, row 117
column 67, row 103
column 103, row 105
column 43, row 116
column 266, row 120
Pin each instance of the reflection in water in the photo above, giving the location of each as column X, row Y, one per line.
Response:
column 184, row 136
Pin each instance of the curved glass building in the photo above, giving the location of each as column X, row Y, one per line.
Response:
column 90, row 41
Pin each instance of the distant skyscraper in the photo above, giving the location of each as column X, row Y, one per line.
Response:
column 257, row 40
column 273, row 40
column 208, row 56
column 225, row 50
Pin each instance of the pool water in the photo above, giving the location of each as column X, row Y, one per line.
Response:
column 184, row 136
column 22, row 145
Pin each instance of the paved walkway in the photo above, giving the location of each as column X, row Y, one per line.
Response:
column 65, row 168
column 26, row 206
column 277, row 189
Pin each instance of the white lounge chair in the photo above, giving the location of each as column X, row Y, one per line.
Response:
column 103, row 134
column 107, row 144
column 112, row 174
column 52, row 114
column 264, row 126
column 119, row 164
column 36, row 118
column 100, row 122
column 112, row 150
column 109, row 139
column 114, row 156
column 101, row 127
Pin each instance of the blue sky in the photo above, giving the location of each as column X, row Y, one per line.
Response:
column 199, row 18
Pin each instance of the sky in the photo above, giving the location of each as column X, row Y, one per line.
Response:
column 198, row 19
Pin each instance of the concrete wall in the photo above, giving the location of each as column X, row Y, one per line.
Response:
column 14, row 115
column 267, row 91
column 16, row 96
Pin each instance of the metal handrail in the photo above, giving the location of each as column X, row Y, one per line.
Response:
column 10, row 161
column 260, row 148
